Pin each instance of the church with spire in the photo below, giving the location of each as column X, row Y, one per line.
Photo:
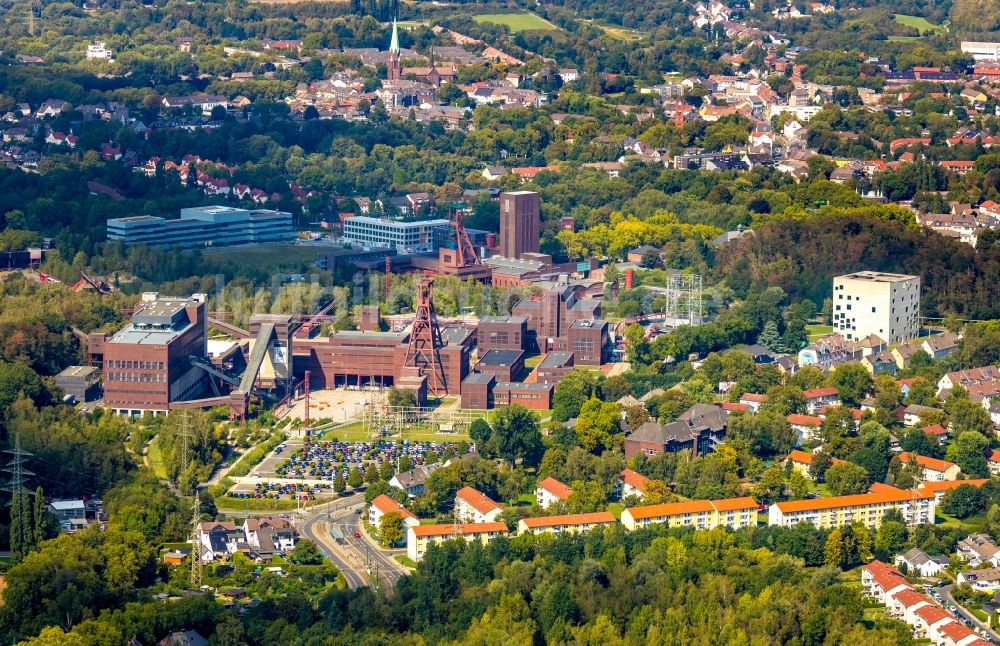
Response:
column 432, row 74
column 395, row 71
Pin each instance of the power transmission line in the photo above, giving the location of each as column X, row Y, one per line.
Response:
column 195, row 544
column 16, row 468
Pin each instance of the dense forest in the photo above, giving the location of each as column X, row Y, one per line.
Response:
column 607, row 587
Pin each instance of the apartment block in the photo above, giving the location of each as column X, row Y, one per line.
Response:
column 879, row 303
column 733, row 513
column 420, row 537
column 916, row 506
column 473, row 506
column 565, row 524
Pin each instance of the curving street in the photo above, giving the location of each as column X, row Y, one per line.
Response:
column 353, row 555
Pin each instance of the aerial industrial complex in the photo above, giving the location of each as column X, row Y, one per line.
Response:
column 163, row 359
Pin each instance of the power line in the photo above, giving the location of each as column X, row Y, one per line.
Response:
column 16, row 468
column 195, row 544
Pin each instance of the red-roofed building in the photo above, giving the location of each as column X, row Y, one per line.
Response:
column 420, row 537
column 906, row 142
column 802, row 460
column 565, row 524
column 934, row 470
column 473, row 506
column 807, row 426
column 938, row 432
column 904, row 604
column 550, row 491
column 632, row 484
column 816, row 398
column 928, row 619
column 753, row 400
column 880, row 580
column 382, row 505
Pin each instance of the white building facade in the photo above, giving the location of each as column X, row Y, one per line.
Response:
column 872, row 302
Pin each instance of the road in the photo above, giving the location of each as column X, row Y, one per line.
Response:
column 350, row 557
column 945, row 592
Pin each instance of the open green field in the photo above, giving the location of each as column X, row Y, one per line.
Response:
column 920, row 23
column 816, row 331
column 290, row 256
column 403, row 559
column 356, row 433
column 523, row 21
column 156, row 460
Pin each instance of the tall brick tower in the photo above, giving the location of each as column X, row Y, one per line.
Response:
column 520, row 223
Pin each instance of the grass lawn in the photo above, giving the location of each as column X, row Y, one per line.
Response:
column 256, row 504
column 530, row 363
column 616, row 509
column 156, row 460
column 523, row 21
column 919, row 23
column 290, row 256
column 357, row 433
column 982, row 616
column 628, row 35
column 816, row 331
column 525, row 500
column 972, row 524
column 403, row 559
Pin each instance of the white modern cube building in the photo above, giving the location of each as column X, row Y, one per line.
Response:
column 879, row 303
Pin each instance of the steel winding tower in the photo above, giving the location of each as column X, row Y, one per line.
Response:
column 425, row 340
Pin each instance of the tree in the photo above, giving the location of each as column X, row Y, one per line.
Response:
column 821, row 463
column 615, row 387
column 963, row 501
column 848, row 547
column 771, row 486
column 657, row 492
column 386, row 470
column 402, row 397
column 354, row 478
column 846, row 478
column 391, row 529
column 576, row 387
column 480, row 431
column 597, row 425
column 769, row 337
column 785, row 399
column 798, row 484
column 517, row 435
column 338, row 482
column 306, row 552
column 890, row 539
column 968, row 451
column 371, row 473
column 853, row 382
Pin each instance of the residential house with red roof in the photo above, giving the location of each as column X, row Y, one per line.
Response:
column 934, row 470
column 631, row 483
column 550, row 491
column 473, row 506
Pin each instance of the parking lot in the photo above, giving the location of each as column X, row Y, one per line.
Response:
column 322, row 460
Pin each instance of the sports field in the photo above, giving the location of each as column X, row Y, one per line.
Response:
column 523, row 21
column 920, row 23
